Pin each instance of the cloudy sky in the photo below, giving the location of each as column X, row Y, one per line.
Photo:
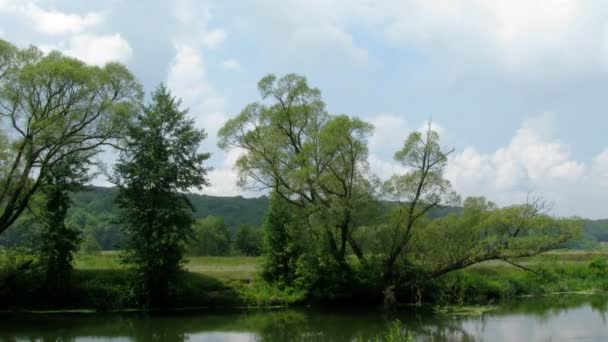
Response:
column 518, row 87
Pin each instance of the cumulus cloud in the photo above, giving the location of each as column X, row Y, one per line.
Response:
column 533, row 162
column 310, row 31
column 544, row 36
column 196, row 17
column 51, row 21
column 99, row 49
column 187, row 79
column 224, row 179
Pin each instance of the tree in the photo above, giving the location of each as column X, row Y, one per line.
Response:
column 57, row 241
column 483, row 231
column 248, row 240
column 415, row 249
column 210, row 238
column 314, row 161
column 159, row 159
column 281, row 248
column 417, row 192
column 90, row 244
column 54, row 106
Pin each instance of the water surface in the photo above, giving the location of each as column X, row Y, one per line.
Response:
column 554, row 318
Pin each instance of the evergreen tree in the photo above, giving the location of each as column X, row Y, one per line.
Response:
column 159, row 161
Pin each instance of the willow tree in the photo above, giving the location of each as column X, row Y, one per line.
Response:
column 53, row 107
column 312, row 160
column 415, row 249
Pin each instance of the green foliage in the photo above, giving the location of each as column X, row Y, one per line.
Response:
column 248, row 240
column 90, row 245
column 56, row 107
column 159, row 159
column 210, row 238
column 396, row 333
column 56, row 242
column 282, row 248
column 314, row 161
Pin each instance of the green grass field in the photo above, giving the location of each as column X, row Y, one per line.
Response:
column 224, row 268
column 100, row 281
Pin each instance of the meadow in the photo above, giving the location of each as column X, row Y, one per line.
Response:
column 101, row 282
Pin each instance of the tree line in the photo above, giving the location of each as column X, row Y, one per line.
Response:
column 326, row 232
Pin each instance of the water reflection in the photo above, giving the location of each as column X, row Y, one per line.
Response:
column 539, row 319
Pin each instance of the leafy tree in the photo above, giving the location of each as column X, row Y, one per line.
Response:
column 210, row 238
column 90, row 244
column 248, row 240
column 159, row 159
column 318, row 164
column 57, row 241
column 314, row 161
column 281, row 248
column 55, row 107
column 415, row 249
column 418, row 191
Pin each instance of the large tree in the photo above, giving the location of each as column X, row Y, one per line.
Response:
column 313, row 160
column 53, row 107
column 160, row 160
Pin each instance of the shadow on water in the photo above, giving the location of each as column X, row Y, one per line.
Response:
column 531, row 318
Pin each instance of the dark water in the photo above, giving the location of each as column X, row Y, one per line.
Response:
column 555, row 318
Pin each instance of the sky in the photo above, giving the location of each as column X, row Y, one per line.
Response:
column 517, row 87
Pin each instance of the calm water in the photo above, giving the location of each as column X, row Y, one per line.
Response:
column 556, row 318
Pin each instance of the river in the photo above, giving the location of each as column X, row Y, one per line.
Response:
column 552, row 318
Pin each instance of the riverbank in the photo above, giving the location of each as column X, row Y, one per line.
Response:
column 101, row 283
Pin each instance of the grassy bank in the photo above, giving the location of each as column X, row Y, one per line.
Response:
column 550, row 273
column 100, row 282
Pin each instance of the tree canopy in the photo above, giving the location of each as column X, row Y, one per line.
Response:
column 54, row 107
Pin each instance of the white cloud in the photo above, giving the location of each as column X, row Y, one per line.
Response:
column 533, row 162
column 518, row 37
column 224, row 178
column 196, row 18
column 99, row 49
column 94, row 49
column 543, row 36
column 51, row 21
column 311, row 31
column 231, row 64
column 187, row 79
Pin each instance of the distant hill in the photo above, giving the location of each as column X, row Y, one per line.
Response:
column 235, row 210
column 94, row 210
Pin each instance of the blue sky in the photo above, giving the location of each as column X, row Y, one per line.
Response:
column 517, row 87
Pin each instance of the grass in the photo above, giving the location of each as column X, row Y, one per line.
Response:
column 100, row 281
column 555, row 272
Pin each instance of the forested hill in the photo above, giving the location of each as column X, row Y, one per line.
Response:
column 94, row 211
column 235, row 210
